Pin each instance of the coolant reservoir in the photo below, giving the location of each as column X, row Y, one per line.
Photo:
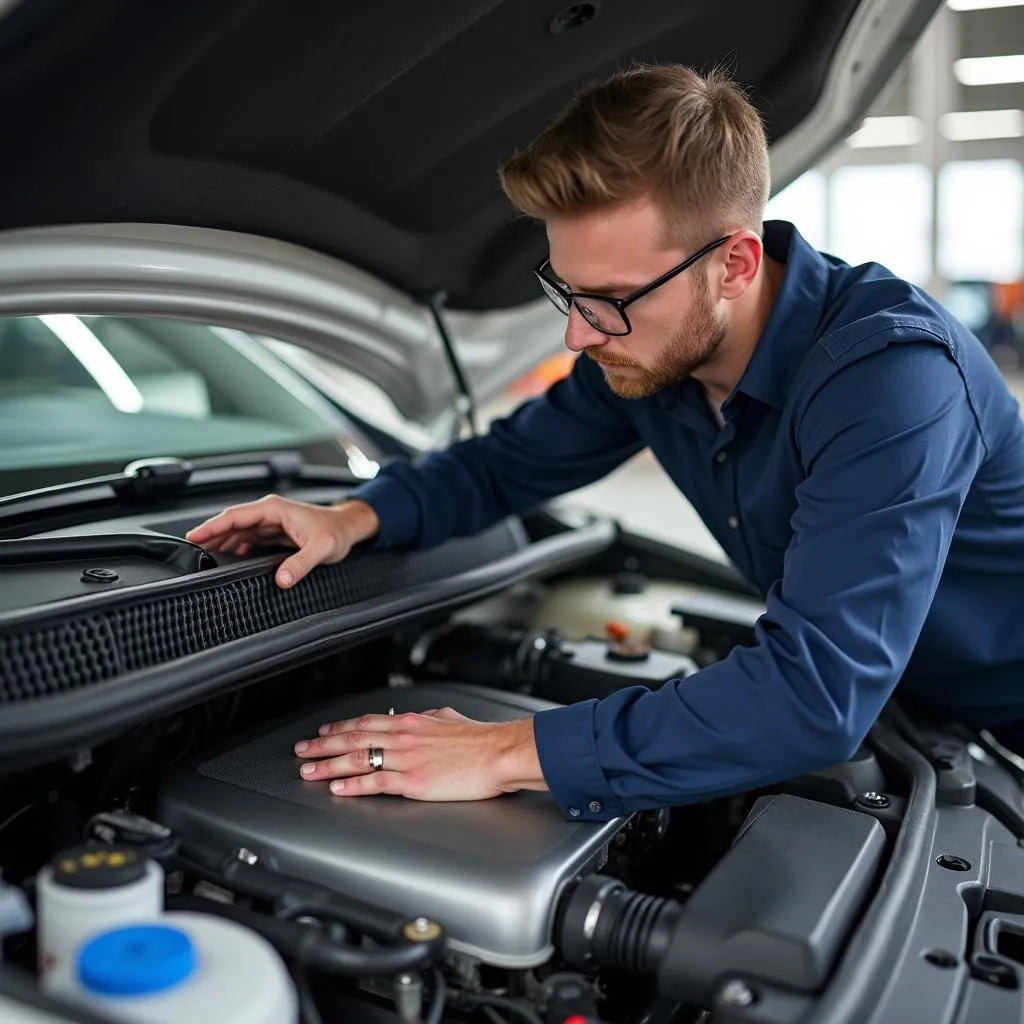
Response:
column 181, row 967
column 627, row 604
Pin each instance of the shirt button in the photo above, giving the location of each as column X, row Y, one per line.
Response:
column 734, row 522
column 574, row 812
column 721, row 457
column 595, row 807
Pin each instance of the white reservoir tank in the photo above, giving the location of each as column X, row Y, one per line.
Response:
column 180, row 968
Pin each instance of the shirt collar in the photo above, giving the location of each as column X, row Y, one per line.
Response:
column 794, row 319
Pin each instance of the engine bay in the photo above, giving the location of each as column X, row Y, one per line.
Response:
column 407, row 900
column 193, row 822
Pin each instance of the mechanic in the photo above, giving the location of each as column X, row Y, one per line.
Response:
column 849, row 443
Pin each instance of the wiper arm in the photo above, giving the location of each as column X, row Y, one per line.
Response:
column 150, row 480
column 149, row 477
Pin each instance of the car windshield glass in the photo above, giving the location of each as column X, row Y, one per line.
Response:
column 84, row 394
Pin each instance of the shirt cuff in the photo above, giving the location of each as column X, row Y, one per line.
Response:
column 396, row 507
column 567, row 751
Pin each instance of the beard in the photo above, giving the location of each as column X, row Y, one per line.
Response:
column 690, row 348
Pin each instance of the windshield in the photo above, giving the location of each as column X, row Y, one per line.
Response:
column 84, row 395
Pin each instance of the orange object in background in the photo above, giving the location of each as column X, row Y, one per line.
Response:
column 616, row 630
column 541, row 377
column 1008, row 299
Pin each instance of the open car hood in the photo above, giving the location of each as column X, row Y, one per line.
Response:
column 371, row 133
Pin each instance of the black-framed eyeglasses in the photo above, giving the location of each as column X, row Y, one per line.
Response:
column 602, row 312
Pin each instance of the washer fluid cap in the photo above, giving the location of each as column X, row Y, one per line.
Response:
column 136, row 961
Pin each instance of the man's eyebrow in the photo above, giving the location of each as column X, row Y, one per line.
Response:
column 608, row 288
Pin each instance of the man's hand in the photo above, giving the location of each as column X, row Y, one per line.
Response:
column 437, row 755
column 322, row 535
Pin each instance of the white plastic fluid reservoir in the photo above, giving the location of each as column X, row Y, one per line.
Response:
column 88, row 889
column 641, row 608
column 182, row 968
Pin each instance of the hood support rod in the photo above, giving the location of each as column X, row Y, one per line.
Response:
column 464, row 403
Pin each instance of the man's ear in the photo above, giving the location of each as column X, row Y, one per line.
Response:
column 743, row 255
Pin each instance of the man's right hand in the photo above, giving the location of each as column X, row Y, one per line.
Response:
column 323, row 536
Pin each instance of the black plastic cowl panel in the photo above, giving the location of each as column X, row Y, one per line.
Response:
column 57, row 650
column 81, row 670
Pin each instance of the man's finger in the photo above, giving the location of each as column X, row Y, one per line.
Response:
column 371, row 723
column 357, row 762
column 445, row 714
column 270, row 531
column 307, row 558
column 246, row 541
column 229, row 543
column 332, row 744
column 238, row 517
column 369, row 785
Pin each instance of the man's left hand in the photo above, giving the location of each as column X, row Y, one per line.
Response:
column 434, row 755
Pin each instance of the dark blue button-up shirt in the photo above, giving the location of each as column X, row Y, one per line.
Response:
column 872, row 489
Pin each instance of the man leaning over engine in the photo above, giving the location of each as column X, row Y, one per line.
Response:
column 852, row 447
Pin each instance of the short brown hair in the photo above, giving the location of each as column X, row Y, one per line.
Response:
column 693, row 142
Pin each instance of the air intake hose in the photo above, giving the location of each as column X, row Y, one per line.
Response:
column 604, row 924
column 507, row 659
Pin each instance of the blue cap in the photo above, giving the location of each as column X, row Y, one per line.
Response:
column 136, row 961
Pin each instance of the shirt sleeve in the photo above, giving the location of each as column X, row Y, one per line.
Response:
column 571, row 436
column 890, row 445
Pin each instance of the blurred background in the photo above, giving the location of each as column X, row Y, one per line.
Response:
column 931, row 185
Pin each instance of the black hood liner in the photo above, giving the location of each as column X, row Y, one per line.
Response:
column 368, row 130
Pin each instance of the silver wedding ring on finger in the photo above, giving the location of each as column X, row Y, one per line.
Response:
column 391, row 711
column 376, row 758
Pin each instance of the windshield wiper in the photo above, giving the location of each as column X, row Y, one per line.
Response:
column 157, row 479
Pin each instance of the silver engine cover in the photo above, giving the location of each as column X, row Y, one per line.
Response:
column 490, row 871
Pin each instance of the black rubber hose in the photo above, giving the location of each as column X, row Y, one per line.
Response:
column 485, row 999
column 505, row 659
column 437, row 1000
column 639, row 933
column 305, row 945
column 602, row 923
column 289, row 895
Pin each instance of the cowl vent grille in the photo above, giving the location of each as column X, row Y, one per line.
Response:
column 84, row 649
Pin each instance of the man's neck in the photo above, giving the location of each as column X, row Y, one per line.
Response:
column 749, row 316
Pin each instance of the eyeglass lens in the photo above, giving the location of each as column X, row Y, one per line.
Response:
column 602, row 315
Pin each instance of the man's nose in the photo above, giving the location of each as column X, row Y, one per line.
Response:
column 579, row 334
